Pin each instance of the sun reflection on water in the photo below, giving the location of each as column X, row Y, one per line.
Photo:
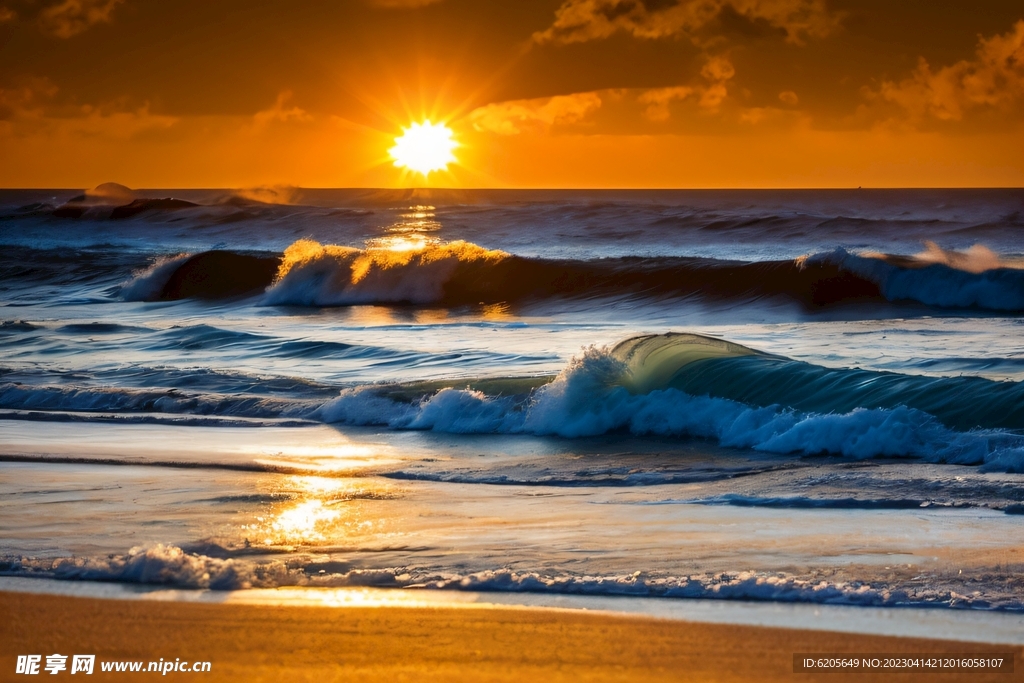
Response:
column 330, row 458
column 418, row 219
column 402, row 242
column 303, row 523
column 322, row 511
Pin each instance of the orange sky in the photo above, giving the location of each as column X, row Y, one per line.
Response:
column 563, row 93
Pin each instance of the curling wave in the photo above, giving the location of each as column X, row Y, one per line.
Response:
column 208, row 275
column 688, row 385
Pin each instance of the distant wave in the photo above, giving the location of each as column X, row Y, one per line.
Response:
column 804, row 503
column 194, row 337
column 227, row 345
column 17, row 327
column 461, row 273
column 95, row 328
column 115, row 202
column 15, row 396
column 977, row 278
column 138, row 419
column 194, row 379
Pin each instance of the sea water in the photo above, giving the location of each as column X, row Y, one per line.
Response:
column 799, row 396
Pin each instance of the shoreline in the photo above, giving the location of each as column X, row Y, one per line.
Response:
column 928, row 622
column 471, row 641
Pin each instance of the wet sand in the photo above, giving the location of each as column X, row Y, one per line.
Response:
column 460, row 643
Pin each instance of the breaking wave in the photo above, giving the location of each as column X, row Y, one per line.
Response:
column 148, row 284
column 977, row 278
column 208, row 275
column 686, row 385
column 675, row 385
column 459, row 273
column 312, row 274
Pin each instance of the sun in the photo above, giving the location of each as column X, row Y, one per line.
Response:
column 424, row 147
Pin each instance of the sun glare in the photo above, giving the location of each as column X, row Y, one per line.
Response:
column 424, row 147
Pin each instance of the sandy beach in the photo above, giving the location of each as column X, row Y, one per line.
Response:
column 477, row 643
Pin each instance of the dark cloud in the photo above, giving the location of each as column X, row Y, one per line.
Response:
column 60, row 18
column 992, row 79
column 579, row 21
column 401, row 4
column 71, row 17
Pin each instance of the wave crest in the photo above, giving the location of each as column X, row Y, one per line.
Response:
column 148, row 284
column 314, row 274
column 976, row 259
column 977, row 278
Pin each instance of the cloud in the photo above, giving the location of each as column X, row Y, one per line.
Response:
column 657, row 101
column 71, row 17
column 115, row 122
column 579, row 21
column 88, row 122
column 515, row 116
column 280, row 113
column 26, row 100
column 7, row 14
column 789, row 97
column 401, row 4
column 32, row 108
column 993, row 79
column 717, row 71
column 29, row 109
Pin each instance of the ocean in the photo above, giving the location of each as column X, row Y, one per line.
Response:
column 799, row 396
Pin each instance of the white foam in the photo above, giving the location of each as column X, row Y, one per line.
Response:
column 313, row 274
column 586, row 400
column 147, row 284
column 169, row 565
column 158, row 564
column 973, row 279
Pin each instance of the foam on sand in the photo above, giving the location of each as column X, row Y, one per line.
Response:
column 170, row 565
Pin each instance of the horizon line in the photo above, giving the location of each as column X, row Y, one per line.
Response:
column 530, row 189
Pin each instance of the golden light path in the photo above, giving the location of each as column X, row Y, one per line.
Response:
column 424, row 147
